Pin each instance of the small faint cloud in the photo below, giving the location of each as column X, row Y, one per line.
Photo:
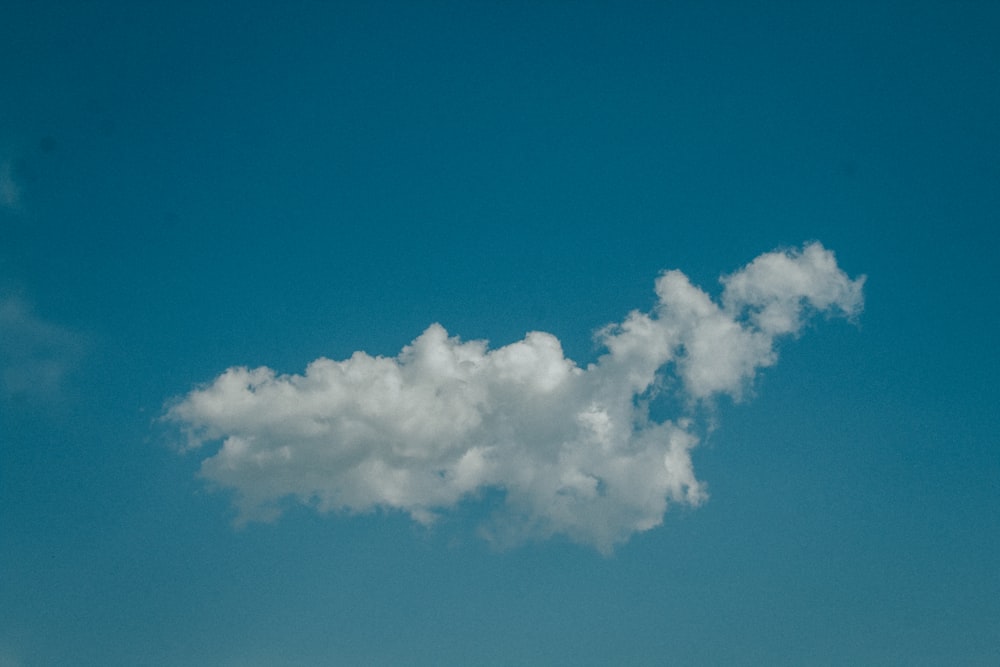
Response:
column 8, row 656
column 10, row 191
column 19, row 168
column 35, row 355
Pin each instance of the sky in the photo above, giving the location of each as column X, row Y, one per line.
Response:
column 550, row 333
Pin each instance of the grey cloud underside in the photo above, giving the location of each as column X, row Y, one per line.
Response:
column 573, row 449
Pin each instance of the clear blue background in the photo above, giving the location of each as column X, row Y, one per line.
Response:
column 204, row 185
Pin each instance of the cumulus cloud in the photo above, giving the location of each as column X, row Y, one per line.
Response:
column 35, row 355
column 573, row 449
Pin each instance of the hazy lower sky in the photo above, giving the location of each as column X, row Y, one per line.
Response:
column 494, row 333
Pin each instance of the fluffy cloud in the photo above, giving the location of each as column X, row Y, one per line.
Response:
column 573, row 449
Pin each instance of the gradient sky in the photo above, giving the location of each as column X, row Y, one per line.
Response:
column 186, row 188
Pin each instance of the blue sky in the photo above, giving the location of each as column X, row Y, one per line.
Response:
column 185, row 189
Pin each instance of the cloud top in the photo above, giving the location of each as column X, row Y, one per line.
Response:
column 573, row 449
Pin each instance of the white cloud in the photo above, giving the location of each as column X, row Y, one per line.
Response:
column 573, row 449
